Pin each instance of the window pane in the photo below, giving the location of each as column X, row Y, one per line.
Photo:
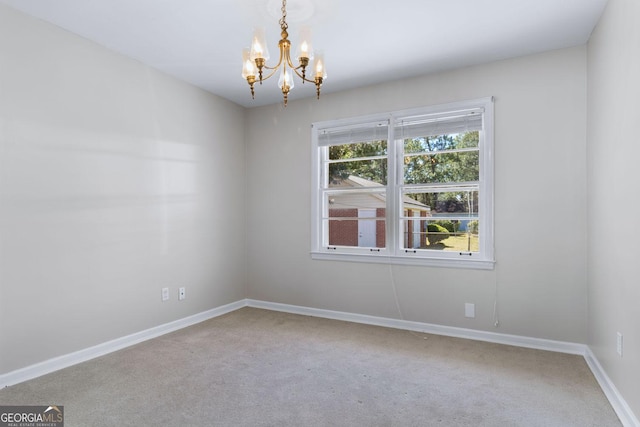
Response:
column 364, row 173
column 357, row 233
column 441, row 235
column 454, row 204
column 450, row 224
column 356, row 218
column 442, row 167
column 369, row 164
column 438, row 143
column 357, row 200
column 358, row 150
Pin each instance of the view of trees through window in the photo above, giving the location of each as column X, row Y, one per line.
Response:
column 366, row 160
column 443, row 159
column 440, row 172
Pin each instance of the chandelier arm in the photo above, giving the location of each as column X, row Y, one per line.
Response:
column 299, row 67
column 302, row 77
column 273, row 71
column 318, row 83
column 275, row 67
column 287, row 56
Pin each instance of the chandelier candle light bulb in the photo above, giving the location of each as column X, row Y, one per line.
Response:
column 248, row 69
column 318, row 66
column 285, row 82
column 305, row 51
column 254, row 60
column 259, row 47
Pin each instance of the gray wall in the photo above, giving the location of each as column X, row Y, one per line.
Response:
column 613, row 227
column 540, row 203
column 115, row 181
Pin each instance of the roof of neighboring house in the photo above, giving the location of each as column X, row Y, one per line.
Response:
column 368, row 200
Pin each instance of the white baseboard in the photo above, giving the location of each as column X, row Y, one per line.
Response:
column 450, row 331
column 80, row 356
column 618, row 403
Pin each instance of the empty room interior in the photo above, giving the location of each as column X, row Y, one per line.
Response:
column 154, row 214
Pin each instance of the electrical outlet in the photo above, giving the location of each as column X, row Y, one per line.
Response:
column 619, row 344
column 165, row 294
column 181, row 294
column 469, row 310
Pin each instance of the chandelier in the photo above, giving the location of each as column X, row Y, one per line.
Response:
column 254, row 60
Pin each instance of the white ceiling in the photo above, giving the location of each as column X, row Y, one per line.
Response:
column 364, row 41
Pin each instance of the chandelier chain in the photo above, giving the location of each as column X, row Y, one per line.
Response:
column 283, row 20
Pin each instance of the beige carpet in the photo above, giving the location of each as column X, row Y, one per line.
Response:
column 261, row 368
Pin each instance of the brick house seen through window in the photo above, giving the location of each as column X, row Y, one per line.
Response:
column 358, row 219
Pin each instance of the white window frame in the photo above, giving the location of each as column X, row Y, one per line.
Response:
column 394, row 252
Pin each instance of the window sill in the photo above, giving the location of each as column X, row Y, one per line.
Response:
column 398, row 260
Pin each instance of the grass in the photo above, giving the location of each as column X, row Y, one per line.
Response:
column 458, row 243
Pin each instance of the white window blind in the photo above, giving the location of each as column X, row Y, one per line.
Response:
column 439, row 124
column 362, row 132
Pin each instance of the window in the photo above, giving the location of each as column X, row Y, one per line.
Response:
column 407, row 187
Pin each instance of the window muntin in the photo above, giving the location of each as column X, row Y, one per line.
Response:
column 413, row 187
